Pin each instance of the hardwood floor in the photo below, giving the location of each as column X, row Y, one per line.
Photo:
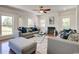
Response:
column 4, row 47
column 41, row 46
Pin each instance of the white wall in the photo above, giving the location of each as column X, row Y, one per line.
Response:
column 35, row 19
column 16, row 13
column 58, row 19
column 70, row 14
column 24, row 14
column 46, row 18
column 77, row 15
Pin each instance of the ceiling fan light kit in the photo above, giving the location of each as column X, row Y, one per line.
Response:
column 41, row 11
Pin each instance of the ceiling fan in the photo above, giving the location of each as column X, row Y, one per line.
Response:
column 42, row 9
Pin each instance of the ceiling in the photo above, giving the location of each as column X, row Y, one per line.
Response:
column 54, row 8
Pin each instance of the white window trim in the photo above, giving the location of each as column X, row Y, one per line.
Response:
column 12, row 23
column 62, row 22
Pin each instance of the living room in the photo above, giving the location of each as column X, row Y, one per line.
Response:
column 41, row 24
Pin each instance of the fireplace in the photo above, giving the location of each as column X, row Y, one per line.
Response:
column 51, row 30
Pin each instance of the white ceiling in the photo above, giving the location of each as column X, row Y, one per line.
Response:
column 54, row 8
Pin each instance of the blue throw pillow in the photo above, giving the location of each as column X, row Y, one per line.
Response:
column 24, row 30
column 34, row 29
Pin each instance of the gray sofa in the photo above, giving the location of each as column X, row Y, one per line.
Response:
column 61, row 46
column 28, row 34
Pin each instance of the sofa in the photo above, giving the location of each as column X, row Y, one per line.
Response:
column 27, row 32
column 61, row 46
column 74, row 37
column 66, row 32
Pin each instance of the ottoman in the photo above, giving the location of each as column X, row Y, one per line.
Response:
column 22, row 45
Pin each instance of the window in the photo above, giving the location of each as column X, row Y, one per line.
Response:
column 66, row 23
column 20, row 22
column 6, row 25
column 30, row 22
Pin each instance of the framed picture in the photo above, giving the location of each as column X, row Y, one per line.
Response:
column 51, row 20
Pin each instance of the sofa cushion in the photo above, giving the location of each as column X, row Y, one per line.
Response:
column 65, row 33
column 34, row 29
column 60, row 46
column 22, row 29
column 74, row 37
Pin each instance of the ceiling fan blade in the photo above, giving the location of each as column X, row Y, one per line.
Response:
column 44, row 11
column 47, row 9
